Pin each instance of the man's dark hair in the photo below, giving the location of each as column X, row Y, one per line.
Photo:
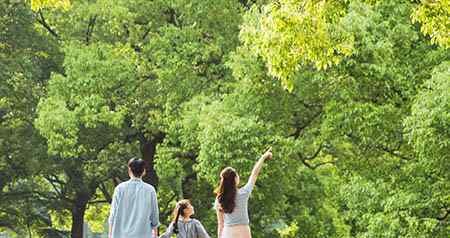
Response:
column 137, row 166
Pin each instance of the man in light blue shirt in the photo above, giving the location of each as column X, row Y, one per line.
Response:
column 134, row 208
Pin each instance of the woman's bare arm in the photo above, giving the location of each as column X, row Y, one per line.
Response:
column 219, row 223
column 258, row 166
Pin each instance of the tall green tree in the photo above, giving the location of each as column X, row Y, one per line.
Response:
column 128, row 68
column 368, row 107
column 360, row 136
column 26, row 60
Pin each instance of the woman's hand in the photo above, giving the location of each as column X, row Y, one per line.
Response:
column 268, row 154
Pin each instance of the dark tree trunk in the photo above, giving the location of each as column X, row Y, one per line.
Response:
column 148, row 150
column 84, row 188
column 78, row 210
column 187, row 185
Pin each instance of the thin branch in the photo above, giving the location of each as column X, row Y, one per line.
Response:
column 394, row 153
column 315, row 153
column 44, row 23
column 52, row 182
column 383, row 148
column 98, row 201
column 116, row 181
column 146, row 33
column 90, row 28
column 190, row 155
column 305, row 160
column 166, row 207
column 299, row 129
column 105, row 192
column 307, row 164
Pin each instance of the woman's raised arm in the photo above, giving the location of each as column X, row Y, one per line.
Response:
column 257, row 168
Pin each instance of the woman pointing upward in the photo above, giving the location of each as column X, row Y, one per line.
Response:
column 232, row 202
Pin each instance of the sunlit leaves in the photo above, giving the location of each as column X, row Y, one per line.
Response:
column 434, row 19
column 290, row 34
column 294, row 34
column 40, row 4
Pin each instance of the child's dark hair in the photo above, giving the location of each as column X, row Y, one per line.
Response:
column 179, row 211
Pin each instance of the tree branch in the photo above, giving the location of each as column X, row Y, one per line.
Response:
column 146, row 33
column 383, row 148
column 394, row 153
column 44, row 23
column 105, row 192
column 166, row 210
column 90, row 28
column 300, row 128
column 315, row 153
column 98, row 201
column 52, row 182
column 190, row 155
column 305, row 160
column 315, row 166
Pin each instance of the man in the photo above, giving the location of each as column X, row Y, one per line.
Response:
column 134, row 208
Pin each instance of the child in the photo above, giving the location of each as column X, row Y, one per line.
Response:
column 183, row 225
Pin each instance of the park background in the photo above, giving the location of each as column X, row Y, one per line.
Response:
column 353, row 96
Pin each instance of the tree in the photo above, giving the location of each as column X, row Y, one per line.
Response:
column 292, row 35
column 360, row 136
column 125, row 78
column 433, row 17
column 25, row 64
column 368, row 107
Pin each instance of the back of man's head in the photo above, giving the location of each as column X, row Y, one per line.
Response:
column 137, row 167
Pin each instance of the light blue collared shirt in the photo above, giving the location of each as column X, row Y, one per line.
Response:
column 134, row 210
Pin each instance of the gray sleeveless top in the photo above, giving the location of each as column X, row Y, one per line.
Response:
column 239, row 216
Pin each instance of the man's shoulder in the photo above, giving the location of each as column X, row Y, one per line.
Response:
column 149, row 187
column 121, row 185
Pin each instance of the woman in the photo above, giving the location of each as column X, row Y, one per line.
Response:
column 232, row 203
column 183, row 225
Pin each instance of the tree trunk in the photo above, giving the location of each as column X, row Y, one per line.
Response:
column 187, row 185
column 78, row 211
column 148, row 150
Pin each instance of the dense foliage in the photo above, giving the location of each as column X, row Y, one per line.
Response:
column 353, row 96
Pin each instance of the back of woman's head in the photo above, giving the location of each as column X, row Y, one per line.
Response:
column 226, row 192
column 179, row 211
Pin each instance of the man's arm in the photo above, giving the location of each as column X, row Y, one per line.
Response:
column 154, row 217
